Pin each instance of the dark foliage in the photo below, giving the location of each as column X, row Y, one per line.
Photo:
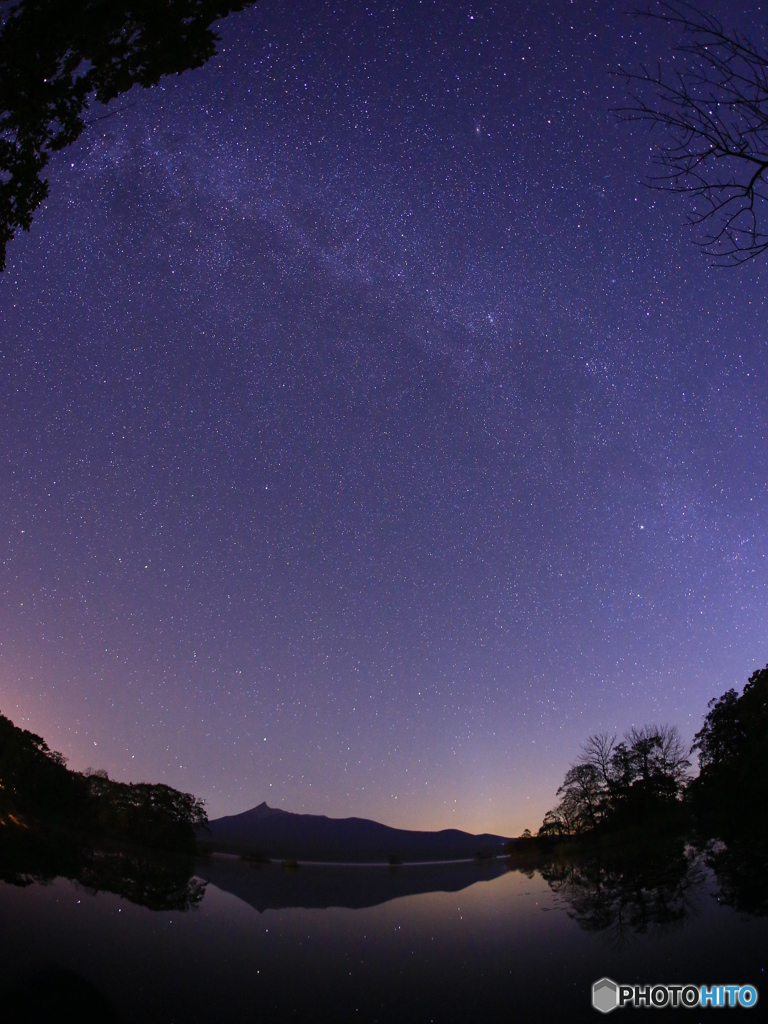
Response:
column 625, row 807
column 31, row 853
column 613, row 785
column 711, row 116
column 36, row 784
column 34, row 779
column 57, row 55
column 643, row 778
column 153, row 815
column 733, row 754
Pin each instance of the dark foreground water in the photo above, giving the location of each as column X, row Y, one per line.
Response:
column 450, row 943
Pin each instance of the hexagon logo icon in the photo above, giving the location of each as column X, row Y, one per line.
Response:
column 605, row 995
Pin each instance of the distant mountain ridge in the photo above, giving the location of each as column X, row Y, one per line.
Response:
column 279, row 834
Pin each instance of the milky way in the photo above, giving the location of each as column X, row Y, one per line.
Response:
column 371, row 434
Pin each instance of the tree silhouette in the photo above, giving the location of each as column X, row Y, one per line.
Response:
column 152, row 815
column 35, row 783
column 612, row 783
column 733, row 752
column 34, row 779
column 56, row 55
column 739, row 865
column 711, row 116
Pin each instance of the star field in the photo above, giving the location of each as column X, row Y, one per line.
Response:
column 371, row 434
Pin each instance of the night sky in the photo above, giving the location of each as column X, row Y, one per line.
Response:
column 370, row 434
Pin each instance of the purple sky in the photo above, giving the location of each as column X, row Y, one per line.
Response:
column 371, row 435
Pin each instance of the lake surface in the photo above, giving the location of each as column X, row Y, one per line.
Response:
column 462, row 942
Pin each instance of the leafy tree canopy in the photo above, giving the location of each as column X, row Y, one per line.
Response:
column 616, row 782
column 55, row 55
column 32, row 775
column 733, row 749
column 35, row 783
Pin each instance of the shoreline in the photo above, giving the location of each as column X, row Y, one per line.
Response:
column 280, row 861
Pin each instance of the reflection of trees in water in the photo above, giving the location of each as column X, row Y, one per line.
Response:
column 628, row 895
column 160, row 883
column 157, row 881
column 741, row 868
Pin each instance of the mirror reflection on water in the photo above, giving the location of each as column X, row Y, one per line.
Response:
column 235, row 941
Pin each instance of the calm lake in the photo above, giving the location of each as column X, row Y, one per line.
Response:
column 462, row 942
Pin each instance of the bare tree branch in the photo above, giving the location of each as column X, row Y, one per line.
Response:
column 712, row 116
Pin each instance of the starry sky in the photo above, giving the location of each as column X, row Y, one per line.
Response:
column 370, row 434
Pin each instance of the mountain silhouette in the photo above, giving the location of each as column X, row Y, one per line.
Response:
column 273, row 833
